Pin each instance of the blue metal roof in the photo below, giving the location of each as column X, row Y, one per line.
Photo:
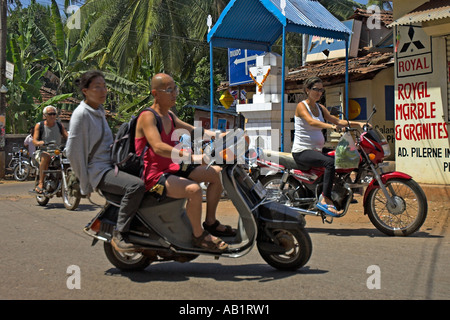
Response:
column 257, row 24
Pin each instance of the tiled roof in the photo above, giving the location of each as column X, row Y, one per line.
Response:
column 385, row 16
column 332, row 71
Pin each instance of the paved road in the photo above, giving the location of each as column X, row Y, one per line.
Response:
column 39, row 244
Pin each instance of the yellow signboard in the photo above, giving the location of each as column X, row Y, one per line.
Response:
column 226, row 99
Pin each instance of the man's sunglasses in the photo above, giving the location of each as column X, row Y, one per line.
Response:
column 51, row 114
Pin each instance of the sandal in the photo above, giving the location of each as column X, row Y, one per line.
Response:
column 228, row 232
column 212, row 245
column 39, row 190
column 326, row 208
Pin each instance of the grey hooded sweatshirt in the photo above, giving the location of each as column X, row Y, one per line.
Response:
column 85, row 131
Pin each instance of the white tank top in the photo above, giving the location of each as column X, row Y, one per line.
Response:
column 307, row 137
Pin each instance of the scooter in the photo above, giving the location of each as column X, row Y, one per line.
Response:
column 163, row 231
column 395, row 203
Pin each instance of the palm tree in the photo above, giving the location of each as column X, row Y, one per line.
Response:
column 127, row 28
column 382, row 4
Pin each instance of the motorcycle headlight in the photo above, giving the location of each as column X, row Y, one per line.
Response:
column 386, row 149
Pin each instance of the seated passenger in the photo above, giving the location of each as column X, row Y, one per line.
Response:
column 167, row 178
column 88, row 149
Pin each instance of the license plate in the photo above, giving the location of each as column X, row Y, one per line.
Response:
column 65, row 161
column 259, row 189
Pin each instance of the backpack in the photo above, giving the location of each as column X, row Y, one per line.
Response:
column 123, row 150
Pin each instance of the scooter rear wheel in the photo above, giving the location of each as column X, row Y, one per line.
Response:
column 296, row 247
column 129, row 261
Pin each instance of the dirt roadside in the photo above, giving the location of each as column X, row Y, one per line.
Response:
column 437, row 222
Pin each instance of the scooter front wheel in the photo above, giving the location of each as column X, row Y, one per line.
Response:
column 289, row 251
column 126, row 261
column 407, row 214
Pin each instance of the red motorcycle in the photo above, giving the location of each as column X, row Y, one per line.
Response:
column 394, row 202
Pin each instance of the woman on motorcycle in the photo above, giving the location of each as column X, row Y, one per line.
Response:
column 310, row 119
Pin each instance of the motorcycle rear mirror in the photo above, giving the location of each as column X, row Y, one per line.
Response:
column 335, row 111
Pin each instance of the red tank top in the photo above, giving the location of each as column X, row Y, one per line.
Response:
column 154, row 165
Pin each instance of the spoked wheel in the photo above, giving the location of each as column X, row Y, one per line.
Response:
column 21, row 171
column 126, row 261
column 288, row 195
column 295, row 249
column 72, row 195
column 406, row 216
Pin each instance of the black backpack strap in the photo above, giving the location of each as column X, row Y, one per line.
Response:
column 158, row 118
column 41, row 130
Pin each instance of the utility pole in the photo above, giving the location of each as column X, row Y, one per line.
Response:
column 3, row 35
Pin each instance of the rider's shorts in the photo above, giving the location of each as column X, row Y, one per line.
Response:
column 159, row 189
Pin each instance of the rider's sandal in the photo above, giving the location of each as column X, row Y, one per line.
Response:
column 228, row 232
column 325, row 208
column 39, row 190
column 213, row 245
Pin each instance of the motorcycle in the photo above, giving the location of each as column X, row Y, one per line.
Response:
column 163, row 232
column 20, row 164
column 59, row 180
column 395, row 203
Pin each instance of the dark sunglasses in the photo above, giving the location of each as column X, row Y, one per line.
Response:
column 318, row 89
column 51, row 114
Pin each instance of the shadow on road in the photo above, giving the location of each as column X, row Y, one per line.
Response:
column 177, row 272
column 373, row 233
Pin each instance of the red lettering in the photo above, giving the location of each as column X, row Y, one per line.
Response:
column 400, row 90
column 400, row 66
column 433, row 110
column 398, row 132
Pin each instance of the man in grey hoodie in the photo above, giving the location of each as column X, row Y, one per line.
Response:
column 88, row 149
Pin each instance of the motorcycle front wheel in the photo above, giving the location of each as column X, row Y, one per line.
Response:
column 71, row 198
column 295, row 249
column 21, row 171
column 126, row 261
column 406, row 216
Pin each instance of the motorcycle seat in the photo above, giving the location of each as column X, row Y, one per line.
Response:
column 283, row 158
column 149, row 199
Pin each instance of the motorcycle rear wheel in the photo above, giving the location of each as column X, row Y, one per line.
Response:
column 406, row 217
column 128, row 261
column 290, row 191
column 297, row 245
column 21, row 172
